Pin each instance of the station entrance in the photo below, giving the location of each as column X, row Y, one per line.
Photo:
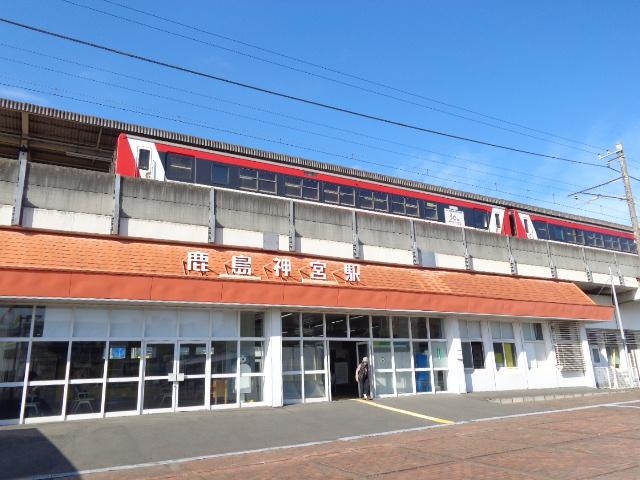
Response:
column 344, row 357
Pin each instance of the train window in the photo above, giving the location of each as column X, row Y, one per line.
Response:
column 570, row 235
column 339, row 194
column 556, row 233
column 179, row 168
column 625, row 244
column 381, row 201
column 143, row 159
column 404, row 205
column 608, row 242
column 430, row 211
column 220, row 174
column 598, row 240
column 526, row 225
column 541, row 230
column 267, row 182
column 310, row 189
column 365, row 199
column 481, row 220
column 616, row 243
column 248, row 179
column 579, row 237
column 293, row 187
column 497, row 217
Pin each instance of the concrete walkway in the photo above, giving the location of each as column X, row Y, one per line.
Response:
column 348, row 439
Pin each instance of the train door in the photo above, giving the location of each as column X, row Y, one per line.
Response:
column 496, row 222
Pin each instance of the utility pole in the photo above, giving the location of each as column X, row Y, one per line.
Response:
column 628, row 193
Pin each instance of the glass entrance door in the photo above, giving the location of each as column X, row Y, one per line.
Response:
column 192, row 363
column 159, row 376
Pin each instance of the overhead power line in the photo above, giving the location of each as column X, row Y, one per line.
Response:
column 173, row 21
column 502, row 170
column 316, row 75
column 288, row 96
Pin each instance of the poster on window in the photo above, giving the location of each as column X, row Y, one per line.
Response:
column 453, row 216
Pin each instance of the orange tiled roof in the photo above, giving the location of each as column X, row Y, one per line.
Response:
column 38, row 264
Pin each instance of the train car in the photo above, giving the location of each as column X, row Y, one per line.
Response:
column 146, row 158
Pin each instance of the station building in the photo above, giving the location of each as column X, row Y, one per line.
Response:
column 125, row 296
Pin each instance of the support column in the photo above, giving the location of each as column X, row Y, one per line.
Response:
column 468, row 259
column 354, row 235
column 212, row 216
column 115, row 218
column 16, row 216
column 512, row 260
column 273, row 360
column 417, row 257
column 292, row 226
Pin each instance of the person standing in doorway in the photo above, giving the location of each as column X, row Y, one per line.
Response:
column 362, row 377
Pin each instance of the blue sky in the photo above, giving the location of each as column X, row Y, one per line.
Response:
column 568, row 68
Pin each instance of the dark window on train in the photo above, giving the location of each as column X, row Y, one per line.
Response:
column 143, row 159
column 570, row 235
column 430, row 211
column 365, row 199
column 625, row 244
column 615, row 241
column 608, row 242
column 220, row 174
column 527, row 229
column 257, row 181
column 556, row 233
column 301, row 188
column 498, row 224
column 541, row 230
column 598, row 239
column 179, row 167
column 404, row 205
column 339, row 194
column 480, row 219
column 579, row 237
column 381, row 201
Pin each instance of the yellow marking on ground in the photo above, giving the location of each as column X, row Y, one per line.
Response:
column 404, row 412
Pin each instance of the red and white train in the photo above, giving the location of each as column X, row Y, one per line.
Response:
column 323, row 183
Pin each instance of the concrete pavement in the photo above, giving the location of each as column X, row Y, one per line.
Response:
column 344, row 440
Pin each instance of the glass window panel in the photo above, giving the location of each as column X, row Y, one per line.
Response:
column 404, row 382
column 10, row 401
column 84, row 398
column 537, row 330
column 439, row 352
column 251, row 357
column 313, row 355
column 48, row 361
column 312, row 325
column 380, row 327
column 440, row 380
column 124, row 360
column 430, row 211
column 161, row 324
column 336, row 325
column 384, row 383
column 191, row 392
column 347, row 196
column 541, row 354
column 381, row 201
column 402, row 354
column 423, row 382
column 157, row 394
column 90, row 323
column 54, row 323
column 292, row 388
column 400, row 326
column 421, row 354
column 179, row 167
column 224, row 356
column 87, row 360
column 194, row 324
column 251, row 324
column 382, row 355
column 418, row 327
column 314, row 385
column 291, row 361
column 436, row 328
column 126, row 323
column 498, row 353
column 13, row 361
column 467, row 359
column 496, row 331
column 44, row 401
column 331, row 193
column 223, row 391
column 507, row 330
column 267, row 182
column 251, row 389
column 527, row 332
column 193, row 358
column 121, row 397
column 15, row 321
column 159, row 359
column 225, row 324
column 464, row 333
column 473, row 327
column 473, row 354
column 293, row 187
column 248, row 179
column 510, row 354
column 290, row 324
column 359, row 326
column 310, row 190
column 220, row 174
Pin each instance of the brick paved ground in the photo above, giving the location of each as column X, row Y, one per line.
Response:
column 602, row 443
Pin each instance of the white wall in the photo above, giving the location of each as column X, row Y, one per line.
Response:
column 66, row 221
